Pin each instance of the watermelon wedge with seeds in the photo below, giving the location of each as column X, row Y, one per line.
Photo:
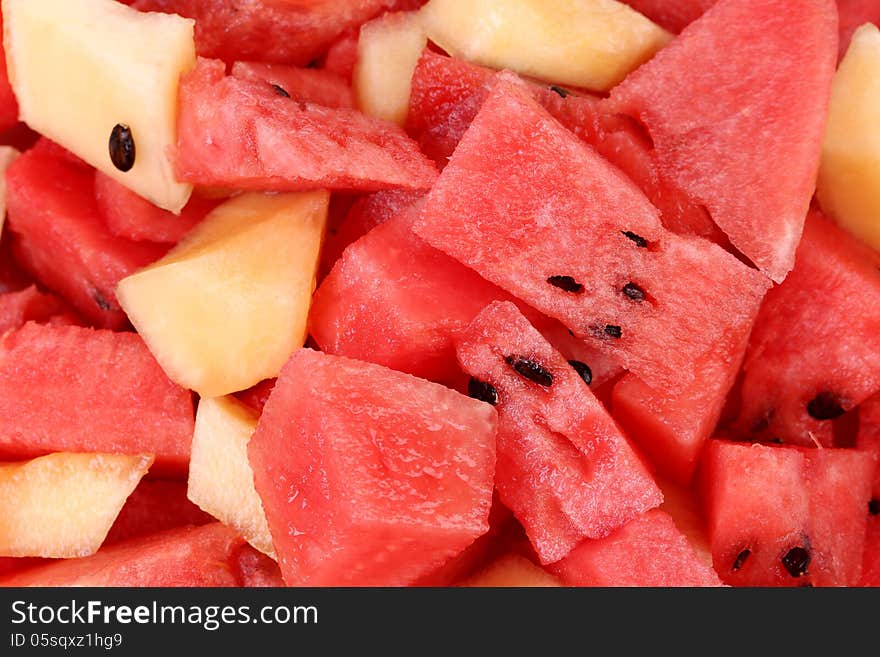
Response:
column 736, row 108
column 564, row 468
column 247, row 135
column 539, row 213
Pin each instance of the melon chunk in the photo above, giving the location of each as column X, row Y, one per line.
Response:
column 227, row 306
column 81, row 68
column 62, row 505
column 7, row 156
column 849, row 176
column 389, row 49
column 220, row 477
column 591, row 44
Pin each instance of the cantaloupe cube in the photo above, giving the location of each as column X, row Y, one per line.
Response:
column 389, row 48
column 80, row 68
column 589, row 43
column 849, row 176
column 221, row 481
column 62, row 505
column 227, row 306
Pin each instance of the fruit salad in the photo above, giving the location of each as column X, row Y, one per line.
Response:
column 392, row 293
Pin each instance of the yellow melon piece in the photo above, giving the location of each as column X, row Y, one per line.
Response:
column 512, row 570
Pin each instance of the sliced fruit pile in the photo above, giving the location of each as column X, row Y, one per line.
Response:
column 407, row 293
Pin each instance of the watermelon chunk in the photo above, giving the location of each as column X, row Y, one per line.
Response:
column 804, row 368
column 738, row 102
column 649, row 551
column 244, row 134
column 539, row 213
column 365, row 213
column 212, row 555
column 132, row 217
column 672, row 15
column 369, row 476
column 155, row 506
column 341, row 57
column 564, row 468
column 73, row 389
column 30, row 304
column 61, row 239
column 786, row 516
column 283, row 31
column 447, row 93
column 307, row 85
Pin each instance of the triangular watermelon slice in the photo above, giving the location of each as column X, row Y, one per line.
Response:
column 736, row 108
column 540, row 214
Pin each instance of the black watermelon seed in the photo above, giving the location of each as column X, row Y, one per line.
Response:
column 483, row 391
column 565, row 93
column 741, row 559
column 874, row 507
column 825, row 406
column 281, row 91
column 103, row 304
column 122, row 150
column 530, row 370
column 613, row 331
column 634, row 292
column 583, row 370
column 566, row 283
column 796, row 561
column 640, row 241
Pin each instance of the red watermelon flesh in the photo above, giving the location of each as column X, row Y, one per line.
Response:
column 539, row 213
column 393, row 300
column 341, row 57
column 61, row 239
column 307, row 85
column 785, row 516
column 155, row 506
column 73, row 389
column 648, row 551
column 30, row 304
column 738, row 102
column 256, row 396
column 447, row 93
column 8, row 102
column 132, row 217
column 853, row 14
column 672, row 428
column 365, row 214
column 282, row 31
column 564, row 468
column 672, row 15
column 10, row 565
column 869, row 438
column 369, row 476
column 207, row 556
column 244, row 134
column 12, row 278
column 815, row 349
column 871, row 560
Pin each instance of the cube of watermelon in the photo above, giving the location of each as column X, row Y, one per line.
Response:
column 307, row 85
column 29, row 304
column 132, row 217
column 786, row 516
column 648, row 551
column 209, row 556
column 539, row 213
column 749, row 114
column 73, row 389
column 804, row 369
column 61, row 239
column 268, row 30
column 564, row 468
column 369, row 476
column 246, row 135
